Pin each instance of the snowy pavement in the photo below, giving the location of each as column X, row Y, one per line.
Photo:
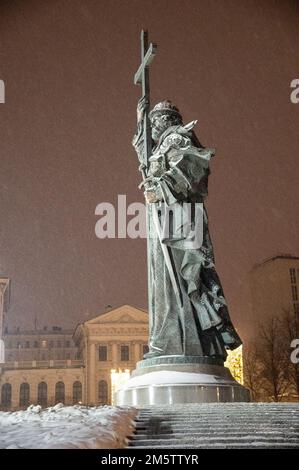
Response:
column 67, row 427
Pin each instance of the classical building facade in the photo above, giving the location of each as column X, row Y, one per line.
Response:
column 110, row 344
column 47, row 367
column 85, row 366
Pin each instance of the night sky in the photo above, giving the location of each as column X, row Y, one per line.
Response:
column 66, row 131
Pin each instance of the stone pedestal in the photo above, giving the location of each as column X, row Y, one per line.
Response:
column 180, row 379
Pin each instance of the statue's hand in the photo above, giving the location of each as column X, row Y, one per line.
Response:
column 150, row 197
column 142, row 167
column 143, row 104
column 148, row 182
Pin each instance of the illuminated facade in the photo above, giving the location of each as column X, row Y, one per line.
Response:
column 52, row 366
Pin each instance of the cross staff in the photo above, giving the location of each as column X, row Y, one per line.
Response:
column 142, row 77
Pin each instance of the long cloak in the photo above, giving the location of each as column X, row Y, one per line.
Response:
column 178, row 172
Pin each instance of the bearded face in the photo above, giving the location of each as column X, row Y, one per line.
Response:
column 159, row 124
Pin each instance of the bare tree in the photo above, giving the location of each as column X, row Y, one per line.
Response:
column 269, row 372
column 273, row 357
column 252, row 371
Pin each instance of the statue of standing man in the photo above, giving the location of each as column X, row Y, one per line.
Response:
column 187, row 310
column 196, row 323
column 190, row 329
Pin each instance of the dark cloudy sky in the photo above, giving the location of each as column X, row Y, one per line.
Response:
column 66, row 131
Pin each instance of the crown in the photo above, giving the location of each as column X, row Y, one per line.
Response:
column 164, row 107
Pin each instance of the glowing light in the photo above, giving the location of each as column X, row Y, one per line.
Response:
column 118, row 380
column 234, row 362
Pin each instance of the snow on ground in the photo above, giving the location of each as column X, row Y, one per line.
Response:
column 175, row 377
column 67, row 427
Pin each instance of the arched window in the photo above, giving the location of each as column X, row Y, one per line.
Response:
column 77, row 392
column 103, row 392
column 6, row 396
column 24, row 394
column 42, row 394
column 59, row 392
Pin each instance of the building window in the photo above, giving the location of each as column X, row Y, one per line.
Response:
column 145, row 349
column 42, row 394
column 27, row 344
column 24, row 394
column 35, row 344
column 77, row 392
column 59, row 344
column 59, row 392
column 67, row 356
column 103, row 353
column 103, row 392
column 296, row 309
column 293, row 275
column 6, row 396
column 44, row 344
column 124, row 353
column 67, row 344
column 43, row 357
column 51, row 344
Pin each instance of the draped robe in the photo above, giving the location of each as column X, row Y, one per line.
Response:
column 178, row 172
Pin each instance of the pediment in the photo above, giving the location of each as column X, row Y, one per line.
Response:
column 124, row 314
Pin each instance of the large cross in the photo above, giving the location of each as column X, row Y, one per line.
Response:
column 142, row 77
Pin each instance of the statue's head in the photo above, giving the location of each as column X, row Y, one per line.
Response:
column 162, row 116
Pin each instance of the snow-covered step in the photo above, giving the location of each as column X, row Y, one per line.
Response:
column 219, row 446
column 223, row 425
column 211, row 441
column 218, row 434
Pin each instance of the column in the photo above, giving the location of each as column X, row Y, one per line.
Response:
column 137, row 354
column 114, row 356
column 92, row 374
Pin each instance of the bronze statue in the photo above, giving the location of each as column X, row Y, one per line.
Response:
column 187, row 308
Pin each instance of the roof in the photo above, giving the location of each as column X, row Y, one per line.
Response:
column 123, row 314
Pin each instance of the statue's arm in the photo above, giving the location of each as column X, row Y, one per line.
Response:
column 187, row 165
column 138, row 138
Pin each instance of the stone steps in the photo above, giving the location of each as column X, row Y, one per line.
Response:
column 164, row 446
column 218, row 425
column 218, row 433
column 211, row 441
